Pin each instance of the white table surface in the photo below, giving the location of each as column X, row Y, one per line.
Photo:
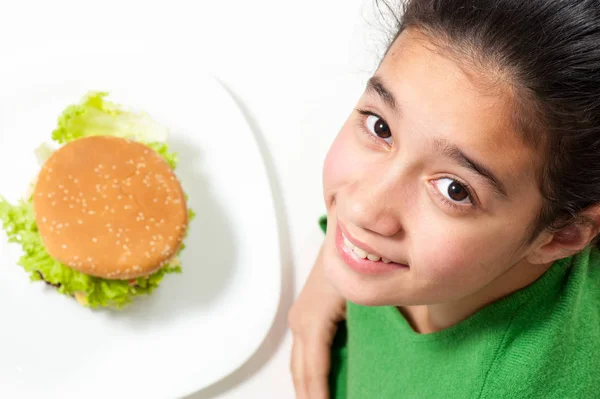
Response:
column 296, row 68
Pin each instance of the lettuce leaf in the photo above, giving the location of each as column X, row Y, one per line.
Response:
column 94, row 116
column 19, row 224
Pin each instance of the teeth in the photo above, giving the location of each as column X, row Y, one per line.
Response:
column 386, row 260
column 374, row 258
column 361, row 253
column 348, row 243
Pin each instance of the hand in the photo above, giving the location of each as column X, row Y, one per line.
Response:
column 313, row 320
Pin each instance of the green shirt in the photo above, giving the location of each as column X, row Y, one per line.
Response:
column 540, row 342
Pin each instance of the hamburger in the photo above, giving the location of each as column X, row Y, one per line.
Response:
column 106, row 217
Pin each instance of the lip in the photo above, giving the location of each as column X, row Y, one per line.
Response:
column 363, row 266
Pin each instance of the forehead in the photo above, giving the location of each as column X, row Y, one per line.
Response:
column 440, row 97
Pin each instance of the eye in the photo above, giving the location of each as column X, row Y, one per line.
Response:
column 378, row 127
column 453, row 191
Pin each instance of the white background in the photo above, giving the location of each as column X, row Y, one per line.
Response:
column 296, row 68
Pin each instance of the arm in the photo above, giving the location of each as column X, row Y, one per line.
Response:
column 314, row 319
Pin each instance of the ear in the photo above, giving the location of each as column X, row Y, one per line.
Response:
column 567, row 241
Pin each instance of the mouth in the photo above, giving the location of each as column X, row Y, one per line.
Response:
column 363, row 260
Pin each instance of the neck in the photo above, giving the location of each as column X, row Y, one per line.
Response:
column 426, row 319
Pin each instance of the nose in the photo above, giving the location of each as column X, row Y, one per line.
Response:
column 373, row 207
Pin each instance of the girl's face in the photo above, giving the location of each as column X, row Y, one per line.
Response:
column 429, row 174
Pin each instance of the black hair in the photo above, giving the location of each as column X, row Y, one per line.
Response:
column 550, row 51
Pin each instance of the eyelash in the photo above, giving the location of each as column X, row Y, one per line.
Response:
column 370, row 135
column 454, row 206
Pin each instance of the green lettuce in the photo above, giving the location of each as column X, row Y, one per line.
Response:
column 93, row 116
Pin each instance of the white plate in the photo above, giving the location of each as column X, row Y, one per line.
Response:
column 198, row 326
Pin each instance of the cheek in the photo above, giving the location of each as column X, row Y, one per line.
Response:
column 459, row 262
column 342, row 164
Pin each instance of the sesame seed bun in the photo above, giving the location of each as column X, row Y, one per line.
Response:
column 110, row 207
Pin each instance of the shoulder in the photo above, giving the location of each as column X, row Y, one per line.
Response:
column 550, row 350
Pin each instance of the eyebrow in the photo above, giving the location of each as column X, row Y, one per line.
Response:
column 375, row 85
column 447, row 149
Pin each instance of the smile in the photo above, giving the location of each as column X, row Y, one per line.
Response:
column 361, row 253
column 361, row 260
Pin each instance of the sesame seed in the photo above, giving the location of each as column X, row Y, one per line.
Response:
column 89, row 259
column 155, row 200
column 75, row 257
column 64, row 246
column 118, row 242
column 60, row 186
column 110, row 230
column 119, row 197
column 107, row 176
column 65, row 198
column 79, row 221
column 66, row 191
column 114, row 167
column 75, row 181
column 53, row 203
column 71, row 206
column 44, row 220
column 147, row 227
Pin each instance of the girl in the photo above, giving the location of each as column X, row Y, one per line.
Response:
column 463, row 201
